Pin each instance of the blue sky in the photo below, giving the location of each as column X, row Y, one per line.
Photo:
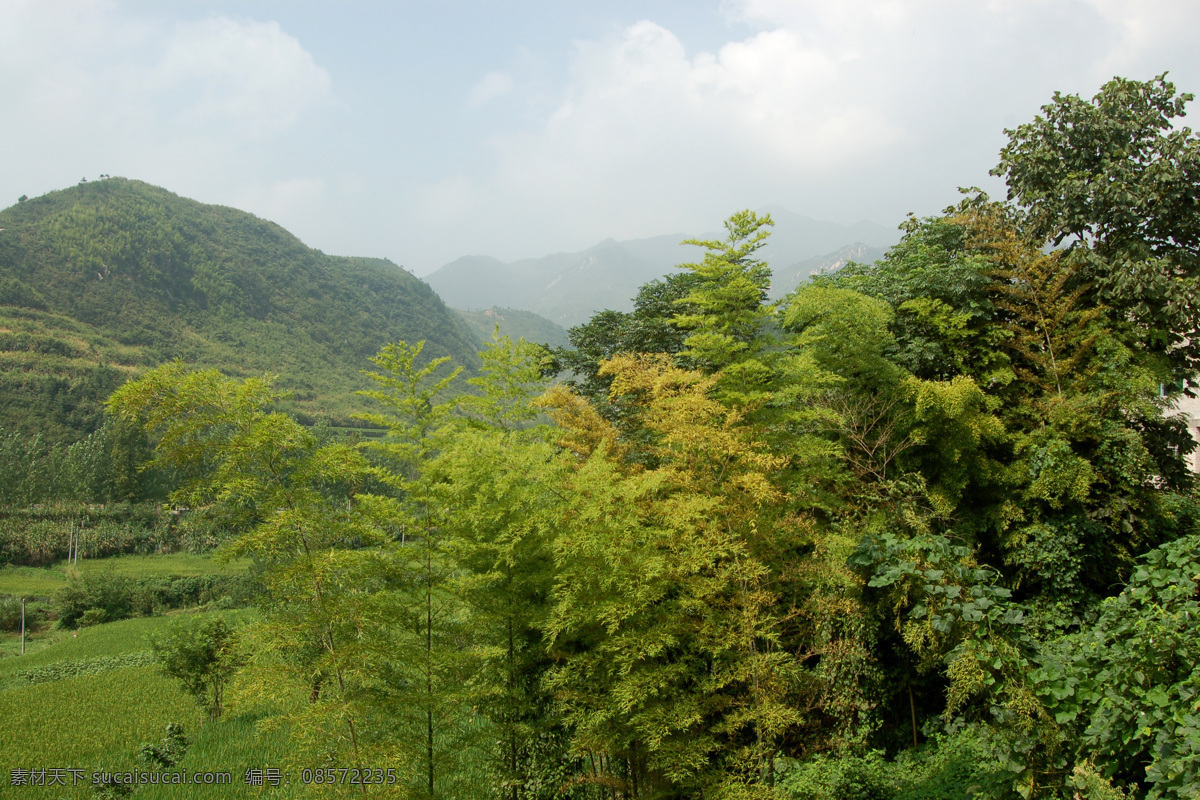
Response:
column 422, row 131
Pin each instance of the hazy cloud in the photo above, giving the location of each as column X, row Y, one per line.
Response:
column 250, row 75
column 501, row 135
column 491, row 86
column 89, row 89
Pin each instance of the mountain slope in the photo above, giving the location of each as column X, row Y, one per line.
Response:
column 106, row 278
column 786, row 280
column 515, row 324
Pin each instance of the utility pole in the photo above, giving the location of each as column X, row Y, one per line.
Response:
column 22, row 626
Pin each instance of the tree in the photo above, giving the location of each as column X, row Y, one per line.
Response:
column 1117, row 181
column 649, row 328
column 731, row 315
column 201, row 654
column 285, row 499
column 420, row 649
column 680, row 667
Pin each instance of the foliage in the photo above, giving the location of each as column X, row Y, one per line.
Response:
column 168, row 752
column 202, row 656
column 94, row 598
column 98, row 596
column 749, row 552
column 60, row 670
column 1116, row 178
column 649, row 328
column 102, row 467
column 43, row 533
column 949, row 767
column 1128, row 684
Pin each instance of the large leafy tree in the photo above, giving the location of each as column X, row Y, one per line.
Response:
column 1117, row 181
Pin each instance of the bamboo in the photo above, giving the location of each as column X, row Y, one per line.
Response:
column 912, row 707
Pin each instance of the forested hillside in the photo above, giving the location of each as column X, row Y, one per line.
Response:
column 515, row 324
column 110, row 277
column 921, row 530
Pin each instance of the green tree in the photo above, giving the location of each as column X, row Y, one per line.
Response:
column 649, row 328
column 423, row 626
column 200, row 654
column 729, row 314
column 665, row 621
column 1116, row 180
column 285, row 498
column 497, row 481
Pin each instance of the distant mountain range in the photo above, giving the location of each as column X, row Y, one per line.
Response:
column 106, row 279
column 567, row 288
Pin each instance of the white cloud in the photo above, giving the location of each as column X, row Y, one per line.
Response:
column 90, row 89
column 846, row 110
column 648, row 138
column 243, row 73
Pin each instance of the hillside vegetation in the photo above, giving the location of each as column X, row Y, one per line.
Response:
column 515, row 324
column 106, row 278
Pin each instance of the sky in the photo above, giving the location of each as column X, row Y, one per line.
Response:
column 424, row 130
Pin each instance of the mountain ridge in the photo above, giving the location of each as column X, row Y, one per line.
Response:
column 568, row 287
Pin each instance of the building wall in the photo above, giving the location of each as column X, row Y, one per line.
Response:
column 1189, row 408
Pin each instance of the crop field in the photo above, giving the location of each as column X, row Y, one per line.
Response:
column 87, row 701
column 44, row 581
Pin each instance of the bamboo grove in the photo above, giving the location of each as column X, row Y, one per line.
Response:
column 930, row 507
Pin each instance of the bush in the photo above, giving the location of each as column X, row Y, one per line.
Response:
column 10, row 614
column 96, row 597
column 848, row 777
column 200, row 654
column 154, row 595
column 950, row 767
column 167, row 753
column 1127, row 689
column 104, row 597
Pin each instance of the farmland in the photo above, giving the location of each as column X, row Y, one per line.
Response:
column 89, row 699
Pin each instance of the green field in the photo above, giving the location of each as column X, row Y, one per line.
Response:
column 44, row 581
column 97, row 718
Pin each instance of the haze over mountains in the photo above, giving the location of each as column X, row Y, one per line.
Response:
column 568, row 288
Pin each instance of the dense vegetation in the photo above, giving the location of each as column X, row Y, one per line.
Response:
column 107, row 278
column 515, row 324
column 923, row 529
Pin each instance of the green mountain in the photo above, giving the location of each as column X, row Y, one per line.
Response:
column 107, row 278
column 515, row 324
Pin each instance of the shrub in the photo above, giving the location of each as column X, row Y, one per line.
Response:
column 200, row 654
column 10, row 613
column 168, row 752
column 96, row 597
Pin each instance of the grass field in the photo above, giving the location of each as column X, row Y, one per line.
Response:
column 98, row 721
column 99, row 641
column 44, row 581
